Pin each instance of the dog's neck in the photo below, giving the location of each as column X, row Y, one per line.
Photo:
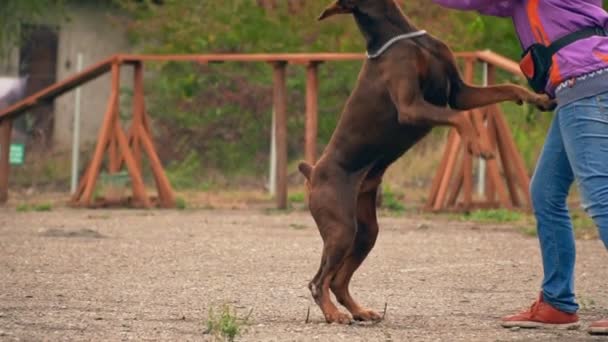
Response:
column 378, row 30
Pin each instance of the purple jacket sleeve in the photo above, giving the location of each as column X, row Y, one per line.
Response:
column 498, row 8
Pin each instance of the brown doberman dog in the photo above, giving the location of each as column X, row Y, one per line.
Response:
column 406, row 87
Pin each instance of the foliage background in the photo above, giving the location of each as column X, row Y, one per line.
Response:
column 221, row 128
column 213, row 122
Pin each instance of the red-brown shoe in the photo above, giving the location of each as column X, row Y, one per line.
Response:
column 542, row 315
column 599, row 327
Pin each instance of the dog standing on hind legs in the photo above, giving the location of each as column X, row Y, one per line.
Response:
column 409, row 84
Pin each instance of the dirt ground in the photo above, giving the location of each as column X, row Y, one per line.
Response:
column 154, row 275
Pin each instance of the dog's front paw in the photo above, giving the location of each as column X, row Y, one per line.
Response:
column 367, row 316
column 545, row 103
column 338, row 317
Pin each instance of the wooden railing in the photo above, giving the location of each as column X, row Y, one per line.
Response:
column 505, row 180
column 126, row 148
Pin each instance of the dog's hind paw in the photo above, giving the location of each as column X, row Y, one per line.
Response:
column 367, row 316
column 338, row 317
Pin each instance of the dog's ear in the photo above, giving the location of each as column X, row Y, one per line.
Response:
column 305, row 169
column 338, row 7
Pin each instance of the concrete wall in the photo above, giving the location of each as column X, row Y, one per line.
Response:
column 95, row 32
column 9, row 66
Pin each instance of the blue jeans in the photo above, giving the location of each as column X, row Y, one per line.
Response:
column 576, row 148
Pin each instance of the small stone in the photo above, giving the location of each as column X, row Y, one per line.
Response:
column 2, row 333
column 98, row 318
column 515, row 329
column 423, row 226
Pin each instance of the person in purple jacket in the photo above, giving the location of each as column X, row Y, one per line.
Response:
column 576, row 146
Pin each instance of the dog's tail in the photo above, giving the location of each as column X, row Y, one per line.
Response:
column 305, row 169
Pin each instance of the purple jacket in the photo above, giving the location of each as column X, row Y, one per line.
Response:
column 544, row 21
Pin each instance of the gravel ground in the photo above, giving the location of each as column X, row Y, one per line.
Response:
column 154, row 275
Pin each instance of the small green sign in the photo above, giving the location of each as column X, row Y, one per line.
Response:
column 16, row 154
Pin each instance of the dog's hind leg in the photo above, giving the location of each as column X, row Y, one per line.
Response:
column 367, row 232
column 337, row 227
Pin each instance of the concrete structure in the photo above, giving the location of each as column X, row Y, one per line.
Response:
column 91, row 29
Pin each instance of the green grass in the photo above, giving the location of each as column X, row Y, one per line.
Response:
column 39, row 207
column 22, row 208
column 180, row 203
column 392, row 200
column 584, row 227
column 297, row 197
column 43, row 207
column 225, row 325
column 494, row 216
column 528, row 231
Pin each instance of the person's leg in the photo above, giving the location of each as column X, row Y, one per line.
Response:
column 585, row 134
column 585, row 131
column 549, row 188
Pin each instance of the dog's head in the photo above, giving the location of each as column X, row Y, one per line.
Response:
column 369, row 7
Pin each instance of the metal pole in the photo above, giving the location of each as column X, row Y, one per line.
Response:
column 76, row 132
column 481, row 176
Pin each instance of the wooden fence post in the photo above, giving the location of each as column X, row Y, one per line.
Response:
column 6, row 127
column 280, row 107
column 312, row 112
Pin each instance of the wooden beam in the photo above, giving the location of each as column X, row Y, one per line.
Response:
column 467, row 177
column 504, row 134
column 452, row 153
column 437, row 180
column 507, row 165
column 137, row 182
column 494, row 170
column 139, row 111
column 58, row 88
column 456, row 188
column 280, row 107
column 103, row 140
column 6, row 128
column 491, row 128
column 467, row 184
column 163, row 186
column 312, row 89
column 114, row 159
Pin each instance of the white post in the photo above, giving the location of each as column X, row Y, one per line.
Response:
column 76, row 132
column 272, row 179
column 481, row 177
